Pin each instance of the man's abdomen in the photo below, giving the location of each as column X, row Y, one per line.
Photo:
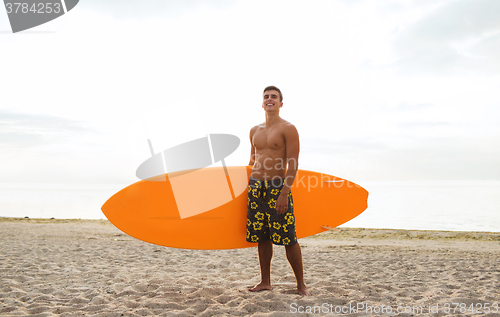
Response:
column 265, row 168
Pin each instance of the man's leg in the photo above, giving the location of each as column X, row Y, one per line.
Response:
column 294, row 256
column 265, row 256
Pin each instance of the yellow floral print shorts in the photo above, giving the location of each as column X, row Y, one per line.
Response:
column 263, row 221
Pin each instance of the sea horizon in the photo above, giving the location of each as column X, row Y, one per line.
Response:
column 447, row 205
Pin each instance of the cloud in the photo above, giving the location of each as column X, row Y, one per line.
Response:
column 114, row 61
column 405, row 106
column 418, row 158
column 26, row 130
column 456, row 36
column 134, row 9
column 423, row 124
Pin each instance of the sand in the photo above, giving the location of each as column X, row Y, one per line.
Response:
column 90, row 268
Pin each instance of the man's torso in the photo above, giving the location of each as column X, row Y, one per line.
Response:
column 270, row 151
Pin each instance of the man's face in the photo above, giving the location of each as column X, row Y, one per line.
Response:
column 271, row 101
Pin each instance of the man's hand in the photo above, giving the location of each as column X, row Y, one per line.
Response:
column 282, row 203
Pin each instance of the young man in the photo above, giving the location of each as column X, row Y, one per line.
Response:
column 270, row 219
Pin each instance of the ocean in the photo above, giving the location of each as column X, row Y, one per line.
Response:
column 421, row 205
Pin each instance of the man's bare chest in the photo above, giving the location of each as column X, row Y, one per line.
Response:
column 268, row 139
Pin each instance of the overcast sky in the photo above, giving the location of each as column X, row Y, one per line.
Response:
column 378, row 89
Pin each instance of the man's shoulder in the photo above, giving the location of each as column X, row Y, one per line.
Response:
column 260, row 125
column 287, row 126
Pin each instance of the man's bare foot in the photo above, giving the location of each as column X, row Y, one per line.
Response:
column 303, row 291
column 261, row 287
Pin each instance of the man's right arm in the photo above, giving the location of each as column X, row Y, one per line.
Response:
column 252, row 152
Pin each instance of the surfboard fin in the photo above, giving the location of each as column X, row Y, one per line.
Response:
column 330, row 228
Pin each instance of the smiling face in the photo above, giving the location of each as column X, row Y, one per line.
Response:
column 272, row 100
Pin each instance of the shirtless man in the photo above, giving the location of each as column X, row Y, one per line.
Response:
column 270, row 219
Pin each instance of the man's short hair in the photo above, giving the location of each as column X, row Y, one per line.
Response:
column 274, row 88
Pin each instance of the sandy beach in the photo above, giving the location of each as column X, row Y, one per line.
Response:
column 90, row 268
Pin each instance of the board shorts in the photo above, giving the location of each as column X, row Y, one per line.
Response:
column 263, row 221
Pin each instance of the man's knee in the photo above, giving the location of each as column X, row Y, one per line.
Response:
column 292, row 247
column 265, row 243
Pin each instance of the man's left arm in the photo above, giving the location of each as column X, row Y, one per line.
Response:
column 292, row 146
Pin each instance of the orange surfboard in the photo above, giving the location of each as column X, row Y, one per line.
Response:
column 206, row 209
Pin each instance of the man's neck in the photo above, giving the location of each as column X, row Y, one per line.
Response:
column 272, row 119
